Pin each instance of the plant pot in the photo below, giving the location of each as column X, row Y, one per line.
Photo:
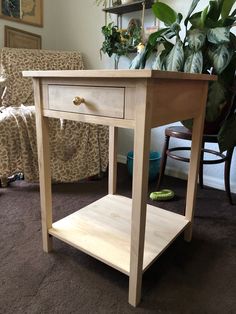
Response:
column 154, row 164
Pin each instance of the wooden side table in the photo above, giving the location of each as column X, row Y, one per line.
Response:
column 124, row 233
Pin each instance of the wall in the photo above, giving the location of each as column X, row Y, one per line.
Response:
column 76, row 25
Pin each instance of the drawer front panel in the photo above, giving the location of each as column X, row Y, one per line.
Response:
column 99, row 101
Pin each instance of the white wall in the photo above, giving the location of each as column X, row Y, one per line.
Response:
column 76, row 25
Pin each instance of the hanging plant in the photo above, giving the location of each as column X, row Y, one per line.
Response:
column 118, row 41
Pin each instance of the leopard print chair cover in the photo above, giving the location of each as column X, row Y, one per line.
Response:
column 78, row 150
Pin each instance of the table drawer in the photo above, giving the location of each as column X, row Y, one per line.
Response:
column 99, row 101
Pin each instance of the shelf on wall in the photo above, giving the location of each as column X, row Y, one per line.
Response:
column 131, row 7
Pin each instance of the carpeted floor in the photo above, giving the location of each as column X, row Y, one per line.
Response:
column 197, row 277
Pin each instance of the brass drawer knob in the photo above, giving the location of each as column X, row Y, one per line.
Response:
column 78, row 101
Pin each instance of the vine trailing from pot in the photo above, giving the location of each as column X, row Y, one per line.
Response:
column 208, row 46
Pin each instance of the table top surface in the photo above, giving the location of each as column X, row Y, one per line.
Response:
column 134, row 74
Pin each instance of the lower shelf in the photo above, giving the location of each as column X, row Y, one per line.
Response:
column 102, row 230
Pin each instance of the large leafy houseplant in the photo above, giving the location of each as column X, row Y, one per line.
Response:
column 208, row 45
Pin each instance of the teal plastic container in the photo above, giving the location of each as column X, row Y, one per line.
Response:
column 154, row 164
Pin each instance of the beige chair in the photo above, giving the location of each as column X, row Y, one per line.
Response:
column 78, row 150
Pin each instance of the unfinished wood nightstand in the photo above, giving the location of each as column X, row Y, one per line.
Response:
column 124, row 233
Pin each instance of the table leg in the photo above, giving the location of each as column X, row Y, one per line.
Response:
column 198, row 125
column 44, row 168
column 139, row 206
column 112, row 176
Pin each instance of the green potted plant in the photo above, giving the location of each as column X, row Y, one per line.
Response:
column 120, row 42
column 208, row 46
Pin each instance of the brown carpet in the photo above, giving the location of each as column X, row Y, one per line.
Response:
column 197, row 277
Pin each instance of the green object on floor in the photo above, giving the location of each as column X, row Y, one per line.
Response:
column 162, row 195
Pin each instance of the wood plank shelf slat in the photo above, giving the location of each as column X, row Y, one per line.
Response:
column 102, row 230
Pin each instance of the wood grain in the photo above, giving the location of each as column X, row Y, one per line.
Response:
column 112, row 176
column 44, row 167
column 121, row 74
column 198, row 125
column 102, row 230
column 143, row 114
column 98, row 101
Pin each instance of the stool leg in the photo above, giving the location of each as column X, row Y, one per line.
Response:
column 229, row 155
column 201, row 165
column 163, row 161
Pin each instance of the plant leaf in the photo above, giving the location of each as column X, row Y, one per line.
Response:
column 228, row 75
column 152, row 40
column 227, row 134
column 215, row 101
column 175, row 59
column 226, row 8
column 187, row 52
column 233, row 13
column 215, row 8
column 220, row 57
column 195, row 20
column 191, row 9
column 198, row 19
column 204, row 16
column 164, row 13
column 233, row 41
column 196, row 39
column 209, row 23
column 139, row 61
column 175, row 27
column 218, row 35
column 194, row 63
column 229, row 21
column 179, row 18
column 170, row 34
column 158, row 62
column 168, row 46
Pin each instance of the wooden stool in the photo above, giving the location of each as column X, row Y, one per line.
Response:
column 183, row 133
